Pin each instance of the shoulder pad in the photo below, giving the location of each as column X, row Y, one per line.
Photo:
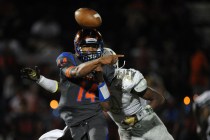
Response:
column 64, row 58
column 137, row 75
column 130, row 78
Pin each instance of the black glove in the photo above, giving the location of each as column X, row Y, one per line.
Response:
column 31, row 74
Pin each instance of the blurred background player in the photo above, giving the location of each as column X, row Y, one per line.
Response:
column 201, row 109
column 82, row 86
column 133, row 116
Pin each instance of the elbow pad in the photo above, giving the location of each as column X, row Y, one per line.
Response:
column 104, row 93
column 48, row 84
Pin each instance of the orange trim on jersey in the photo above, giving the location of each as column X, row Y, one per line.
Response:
column 67, row 72
column 64, row 60
column 79, row 97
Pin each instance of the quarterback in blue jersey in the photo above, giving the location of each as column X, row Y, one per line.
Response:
column 82, row 86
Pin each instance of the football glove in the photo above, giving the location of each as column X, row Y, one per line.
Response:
column 131, row 120
column 31, row 74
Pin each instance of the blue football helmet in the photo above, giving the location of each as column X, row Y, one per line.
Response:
column 90, row 38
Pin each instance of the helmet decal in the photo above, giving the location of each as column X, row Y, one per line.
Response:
column 90, row 40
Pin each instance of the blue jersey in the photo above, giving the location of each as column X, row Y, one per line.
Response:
column 79, row 96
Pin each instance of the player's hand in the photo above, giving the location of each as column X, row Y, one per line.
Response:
column 110, row 59
column 99, row 69
column 131, row 120
column 31, row 74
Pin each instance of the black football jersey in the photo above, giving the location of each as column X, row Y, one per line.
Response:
column 79, row 96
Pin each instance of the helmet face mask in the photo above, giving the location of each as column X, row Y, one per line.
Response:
column 88, row 38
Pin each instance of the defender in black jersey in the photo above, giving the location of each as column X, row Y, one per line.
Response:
column 82, row 86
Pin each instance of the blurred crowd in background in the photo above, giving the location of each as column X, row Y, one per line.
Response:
column 167, row 40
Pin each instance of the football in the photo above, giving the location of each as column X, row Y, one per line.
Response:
column 88, row 18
